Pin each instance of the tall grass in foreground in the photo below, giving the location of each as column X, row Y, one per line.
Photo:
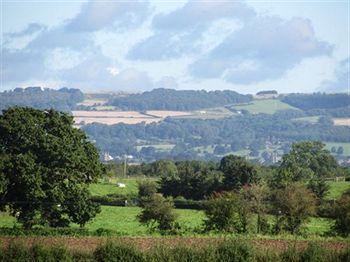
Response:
column 230, row 250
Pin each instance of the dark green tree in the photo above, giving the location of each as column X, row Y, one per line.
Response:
column 158, row 212
column 340, row 150
column 228, row 212
column 341, row 214
column 307, row 161
column 293, row 205
column 46, row 165
column 237, row 172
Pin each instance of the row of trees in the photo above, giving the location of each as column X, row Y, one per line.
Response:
column 64, row 99
column 233, row 191
column 183, row 100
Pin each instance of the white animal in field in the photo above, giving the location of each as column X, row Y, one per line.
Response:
column 120, row 184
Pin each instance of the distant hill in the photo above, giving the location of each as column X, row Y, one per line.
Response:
column 64, row 99
column 317, row 101
column 170, row 99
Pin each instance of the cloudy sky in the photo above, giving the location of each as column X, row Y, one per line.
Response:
column 290, row 46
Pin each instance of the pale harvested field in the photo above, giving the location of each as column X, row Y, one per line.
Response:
column 109, row 117
column 107, row 114
column 115, row 120
column 341, row 121
column 164, row 113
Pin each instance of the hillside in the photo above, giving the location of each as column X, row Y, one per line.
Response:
column 182, row 100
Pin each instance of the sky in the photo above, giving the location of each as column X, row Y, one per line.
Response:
column 133, row 46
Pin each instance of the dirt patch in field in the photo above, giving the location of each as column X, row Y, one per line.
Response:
column 145, row 243
column 341, row 121
column 164, row 113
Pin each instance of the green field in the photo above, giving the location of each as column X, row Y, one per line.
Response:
column 346, row 147
column 110, row 186
column 337, row 189
column 310, row 119
column 267, row 106
column 123, row 220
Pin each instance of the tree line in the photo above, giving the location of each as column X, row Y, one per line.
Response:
column 64, row 99
column 233, row 191
column 182, row 100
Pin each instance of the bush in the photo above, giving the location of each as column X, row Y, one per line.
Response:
column 183, row 203
column 293, row 205
column 227, row 212
column 235, row 251
column 117, row 252
column 342, row 215
column 158, row 212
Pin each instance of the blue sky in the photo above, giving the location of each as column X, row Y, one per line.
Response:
column 290, row 46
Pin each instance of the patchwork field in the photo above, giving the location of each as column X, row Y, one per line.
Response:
column 112, row 117
column 266, row 106
column 341, row 121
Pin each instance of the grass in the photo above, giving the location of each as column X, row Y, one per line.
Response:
column 346, row 147
column 310, row 119
column 337, row 189
column 124, row 221
column 266, row 106
column 110, row 186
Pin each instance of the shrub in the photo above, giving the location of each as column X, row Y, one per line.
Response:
column 342, row 215
column 146, row 188
column 293, row 205
column 227, row 212
column 117, row 252
column 158, row 212
column 235, row 251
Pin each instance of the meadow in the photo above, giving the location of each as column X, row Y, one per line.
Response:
column 266, row 106
column 123, row 220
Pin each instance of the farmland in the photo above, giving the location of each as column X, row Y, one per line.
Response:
column 266, row 106
column 341, row 121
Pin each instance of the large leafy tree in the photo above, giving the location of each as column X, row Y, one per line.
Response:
column 237, row 172
column 45, row 167
column 307, row 161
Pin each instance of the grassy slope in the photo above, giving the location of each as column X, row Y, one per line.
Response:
column 337, row 188
column 267, row 106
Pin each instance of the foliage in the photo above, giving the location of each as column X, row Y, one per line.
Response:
column 63, row 99
column 170, row 99
column 317, row 100
column 256, row 196
column 193, row 180
column 188, row 135
column 237, row 172
column 158, row 212
column 228, row 212
column 292, row 206
column 342, row 214
column 111, row 251
column 46, row 165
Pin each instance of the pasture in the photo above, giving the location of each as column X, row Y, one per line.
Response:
column 266, row 106
column 310, row 119
column 123, row 221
